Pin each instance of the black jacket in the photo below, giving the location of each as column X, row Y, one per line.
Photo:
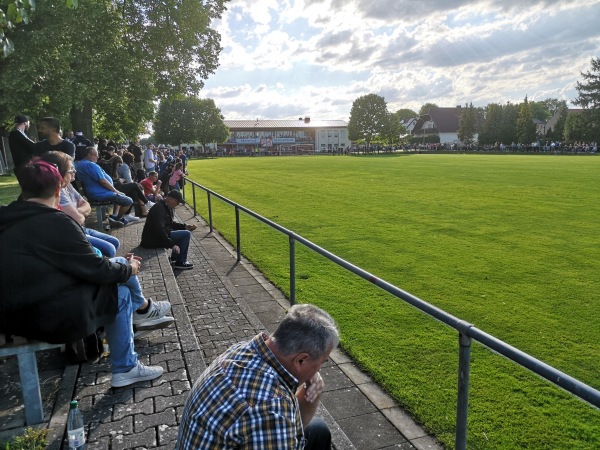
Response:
column 53, row 286
column 21, row 148
column 158, row 227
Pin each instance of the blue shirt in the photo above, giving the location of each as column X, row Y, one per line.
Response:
column 90, row 174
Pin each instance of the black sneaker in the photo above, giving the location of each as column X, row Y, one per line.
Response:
column 115, row 223
column 183, row 266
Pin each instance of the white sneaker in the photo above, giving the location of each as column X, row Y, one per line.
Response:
column 156, row 315
column 133, row 218
column 137, row 374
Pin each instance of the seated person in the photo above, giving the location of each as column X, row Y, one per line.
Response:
column 152, row 190
column 98, row 185
column 75, row 291
column 264, row 393
column 75, row 206
column 177, row 177
column 161, row 231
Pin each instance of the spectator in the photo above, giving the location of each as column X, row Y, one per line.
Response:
column 264, row 393
column 80, row 142
column 75, row 291
column 152, row 190
column 21, row 147
column 98, row 185
column 49, row 128
column 161, row 231
column 176, row 178
column 76, row 207
column 150, row 159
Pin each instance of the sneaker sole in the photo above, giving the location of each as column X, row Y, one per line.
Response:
column 176, row 267
column 156, row 324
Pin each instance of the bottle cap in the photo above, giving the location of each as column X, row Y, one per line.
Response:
column 74, row 404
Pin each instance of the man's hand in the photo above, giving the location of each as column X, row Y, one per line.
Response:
column 190, row 227
column 175, row 249
column 131, row 255
column 135, row 265
column 314, row 388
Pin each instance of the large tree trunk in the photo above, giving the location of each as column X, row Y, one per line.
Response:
column 81, row 120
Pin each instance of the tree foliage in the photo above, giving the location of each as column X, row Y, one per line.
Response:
column 526, row 131
column 189, row 120
column 369, row 117
column 467, row 128
column 393, row 130
column 426, row 107
column 117, row 57
column 405, row 114
column 589, row 99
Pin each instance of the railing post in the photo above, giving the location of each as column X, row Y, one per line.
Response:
column 292, row 270
column 210, row 223
column 238, row 239
column 194, row 197
column 462, row 405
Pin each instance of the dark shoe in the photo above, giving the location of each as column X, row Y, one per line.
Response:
column 115, row 223
column 183, row 266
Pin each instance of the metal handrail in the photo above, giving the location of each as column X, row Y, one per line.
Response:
column 467, row 332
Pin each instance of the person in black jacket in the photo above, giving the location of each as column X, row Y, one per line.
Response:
column 161, row 231
column 53, row 285
column 21, row 147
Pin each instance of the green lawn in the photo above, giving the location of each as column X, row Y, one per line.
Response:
column 509, row 243
column 9, row 189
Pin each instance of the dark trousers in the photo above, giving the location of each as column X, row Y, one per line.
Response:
column 317, row 435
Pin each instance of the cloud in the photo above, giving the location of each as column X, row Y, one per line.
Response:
column 291, row 57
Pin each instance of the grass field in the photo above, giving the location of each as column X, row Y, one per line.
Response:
column 508, row 243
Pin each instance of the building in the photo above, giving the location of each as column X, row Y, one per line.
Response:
column 300, row 136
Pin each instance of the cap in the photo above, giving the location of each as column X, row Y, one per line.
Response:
column 79, row 133
column 21, row 119
column 176, row 195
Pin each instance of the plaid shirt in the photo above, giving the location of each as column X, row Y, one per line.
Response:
column 244, row 400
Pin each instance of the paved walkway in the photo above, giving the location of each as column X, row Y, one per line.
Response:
column 216, row 304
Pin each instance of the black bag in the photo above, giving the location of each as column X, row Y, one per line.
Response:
column 84, row 350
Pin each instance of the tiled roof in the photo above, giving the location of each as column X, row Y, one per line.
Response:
column 283, row 124
column 445, row 119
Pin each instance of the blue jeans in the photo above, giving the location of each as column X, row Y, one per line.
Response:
column 117, row 199
column 119, row 334
column 317, row 435
column 181, row 238
column 107, row 244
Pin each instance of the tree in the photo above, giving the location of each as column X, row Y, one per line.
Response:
column 589, row 99
column 405, row 114
column 491, row 132
column 508, row 124
column 575, row 127
column 393, row 130
column 189, row 120
column 467, row 127
column 426, row 107
column 369, row 117
column 109, row 61
column 526, row 131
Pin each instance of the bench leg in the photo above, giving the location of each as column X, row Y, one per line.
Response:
column 99, row 217
column 30, row 385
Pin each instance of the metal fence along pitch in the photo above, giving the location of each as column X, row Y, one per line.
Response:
column 466, row 331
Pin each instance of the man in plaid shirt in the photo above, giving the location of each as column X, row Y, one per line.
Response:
column 263, row 394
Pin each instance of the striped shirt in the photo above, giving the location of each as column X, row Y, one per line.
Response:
column 244, row 400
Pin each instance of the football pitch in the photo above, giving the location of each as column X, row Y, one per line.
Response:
column 508, row 243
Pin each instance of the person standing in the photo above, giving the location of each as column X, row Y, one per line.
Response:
column 49, row 127
column 263, row 394
column 150, row 159
column 80, row 142
column 21, row 147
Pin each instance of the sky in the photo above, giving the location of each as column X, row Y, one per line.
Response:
column 286, row 59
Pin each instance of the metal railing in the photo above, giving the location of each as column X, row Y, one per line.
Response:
column 467, row 332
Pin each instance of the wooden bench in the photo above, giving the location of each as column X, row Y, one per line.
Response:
column 25, row 351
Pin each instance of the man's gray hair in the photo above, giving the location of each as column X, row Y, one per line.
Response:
column 306, row 328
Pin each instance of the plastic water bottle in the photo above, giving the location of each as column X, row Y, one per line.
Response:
column 75, row 429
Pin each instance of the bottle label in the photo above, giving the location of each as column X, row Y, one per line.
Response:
column 76, row 438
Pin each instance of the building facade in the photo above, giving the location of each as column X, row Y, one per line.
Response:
column 302, row 136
